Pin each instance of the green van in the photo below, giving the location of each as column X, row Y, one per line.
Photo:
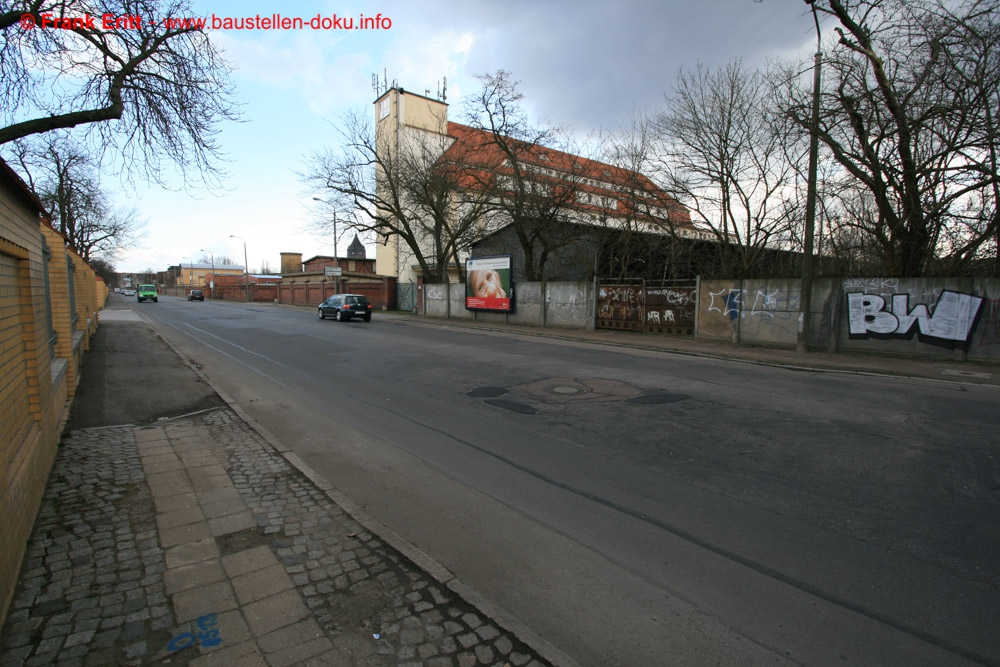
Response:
column 147, row 292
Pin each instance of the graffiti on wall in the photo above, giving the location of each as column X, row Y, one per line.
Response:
column 620, row 302
column 735, row 303
column 671, row 306
column 952, row 319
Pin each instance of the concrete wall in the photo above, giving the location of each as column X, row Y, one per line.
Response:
column 936, row 317
column 753, row 312
column 923, row 316
column 556, row 304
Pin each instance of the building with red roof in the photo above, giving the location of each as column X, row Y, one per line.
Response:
column 568, row 194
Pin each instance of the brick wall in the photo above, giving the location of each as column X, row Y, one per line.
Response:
column 35, row 370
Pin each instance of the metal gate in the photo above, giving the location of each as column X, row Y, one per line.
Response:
column 665, row 307
column 406, row 296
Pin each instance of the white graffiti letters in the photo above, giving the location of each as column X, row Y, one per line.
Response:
column 953, row 316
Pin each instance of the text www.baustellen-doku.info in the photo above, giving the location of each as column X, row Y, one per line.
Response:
column 213, row 22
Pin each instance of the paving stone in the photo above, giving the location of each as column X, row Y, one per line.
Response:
column 259, row 584
column 196, row 575
column 244, row 655
column 191, row 552
column 179, row 517
column 172, row 503
column 232, row 523
column 194, row 532
column 128, row 561
column 224, row 508
column 290, row 636
column 214, row 598
column 274, row 612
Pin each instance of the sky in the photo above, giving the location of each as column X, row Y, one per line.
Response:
column 586, row 65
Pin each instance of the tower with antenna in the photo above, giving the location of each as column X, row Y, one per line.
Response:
column 406, row 121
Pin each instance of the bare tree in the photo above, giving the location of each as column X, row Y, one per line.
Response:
column 408, row 191
column 536, row 199
column 729, row 156
column 643, row 238
column 147, row 90
column 909, row 112
column 67, row 182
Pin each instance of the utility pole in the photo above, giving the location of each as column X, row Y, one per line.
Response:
column 211, row 284
column 246, row 265
column 805, row 299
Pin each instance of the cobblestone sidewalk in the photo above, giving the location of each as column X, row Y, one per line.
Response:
column 195, row 542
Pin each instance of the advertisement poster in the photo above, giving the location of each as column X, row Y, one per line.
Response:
column 488, row 284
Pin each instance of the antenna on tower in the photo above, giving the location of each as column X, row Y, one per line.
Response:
column 444, row 90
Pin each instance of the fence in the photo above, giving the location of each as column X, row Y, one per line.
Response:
column 664, row 307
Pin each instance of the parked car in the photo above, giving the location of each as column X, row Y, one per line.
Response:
column 196, row 295
column 147, row 292
column 345, row 307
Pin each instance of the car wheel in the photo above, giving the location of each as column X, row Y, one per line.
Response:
column 322, row 316
column 340, row 316
column 368, row 318
column 156, row 300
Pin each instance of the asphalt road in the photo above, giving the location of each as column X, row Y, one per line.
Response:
column 636, row 507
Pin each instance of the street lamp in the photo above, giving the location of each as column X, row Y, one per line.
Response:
column 211, row 285
column 335, row 256
column 246, row 264
column 805, row 300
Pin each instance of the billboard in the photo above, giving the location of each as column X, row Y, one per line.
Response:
column 488, row 283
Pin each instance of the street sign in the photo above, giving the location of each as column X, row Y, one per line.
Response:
column 332, row 271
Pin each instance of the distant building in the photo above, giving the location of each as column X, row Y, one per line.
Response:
column 357, row 249
column 198, row 276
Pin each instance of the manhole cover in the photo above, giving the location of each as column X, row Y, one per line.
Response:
column 576, row 390
column 567, row 390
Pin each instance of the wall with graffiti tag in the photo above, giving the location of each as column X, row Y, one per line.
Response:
column 927, row 316
column 921, row 316
column 754, row 312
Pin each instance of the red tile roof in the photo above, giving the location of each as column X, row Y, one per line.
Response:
column 604, row 182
